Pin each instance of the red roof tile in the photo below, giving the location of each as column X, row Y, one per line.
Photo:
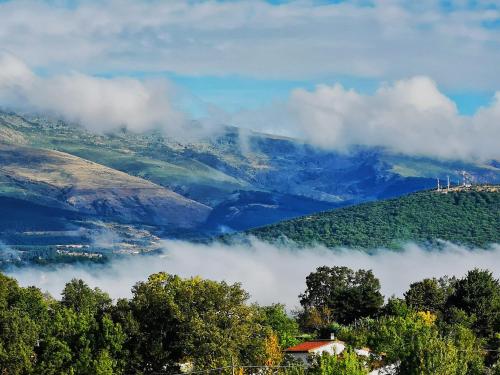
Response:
column 308, row 345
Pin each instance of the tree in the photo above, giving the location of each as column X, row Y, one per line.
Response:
column 193, row 320
column 122, row 314
column 470, row 349
column 478, row 295
column 395, row 307
column 286, row 328
column 273, row 353
column 346, row 364
column 316, row 319
column 428, row 295
column 415, row 344
column 23, row 314
column 18, row 336
column 81, row 338
column 349, row 295
column 8, row 291
column 172, row 321
column 78, row 296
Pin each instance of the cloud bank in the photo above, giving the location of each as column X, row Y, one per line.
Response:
column 99, row 104
column 455, row 41
column 410, row 116
column 271, row 274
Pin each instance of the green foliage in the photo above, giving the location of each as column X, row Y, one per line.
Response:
column 286, row 328
column 419, row 347
column 346, row 364
column 18, row 335
column 356, row 336
column 79, row 297
column 170, row 321
column 429, row 294
column 468, row 218
column 395, row 307
column 81, row 338
column 194, row 320
column 347, row 294
column 478, row 295
column 23, row 315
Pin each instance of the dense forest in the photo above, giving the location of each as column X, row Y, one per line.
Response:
column 170, row 325
column 470, row 218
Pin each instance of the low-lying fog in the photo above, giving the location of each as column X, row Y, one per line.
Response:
column 269, row 273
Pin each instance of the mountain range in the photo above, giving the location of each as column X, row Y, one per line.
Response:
column 77, row 181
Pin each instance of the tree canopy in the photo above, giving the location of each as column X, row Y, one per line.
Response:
column 442, row 326
column 348, row 295
column 466, row 218
column 429, row 294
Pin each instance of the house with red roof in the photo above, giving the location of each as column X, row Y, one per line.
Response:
column 307, row 349
column 317, row 347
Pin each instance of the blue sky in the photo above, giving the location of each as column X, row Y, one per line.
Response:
column 375, row 72
column 469, row 102
column 233, row 93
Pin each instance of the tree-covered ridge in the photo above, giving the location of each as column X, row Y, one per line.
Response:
column 469, row 218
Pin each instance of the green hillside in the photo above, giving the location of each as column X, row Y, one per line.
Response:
column 463, row 217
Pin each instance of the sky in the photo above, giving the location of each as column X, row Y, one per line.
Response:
column 265, row 65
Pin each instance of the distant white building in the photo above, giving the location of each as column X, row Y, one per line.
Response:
column 309, row 348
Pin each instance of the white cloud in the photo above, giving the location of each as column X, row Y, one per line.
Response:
column 386, row 39
column 410, row 116
column 14, row 74
column 269, row 273
column 97, row 103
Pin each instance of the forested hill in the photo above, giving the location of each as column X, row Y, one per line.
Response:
column 464, row 217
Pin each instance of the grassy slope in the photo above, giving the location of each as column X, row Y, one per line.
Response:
column 470, row 218
column 67, row 181
column 138, row 155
